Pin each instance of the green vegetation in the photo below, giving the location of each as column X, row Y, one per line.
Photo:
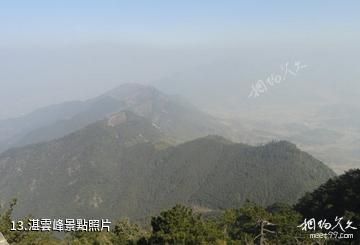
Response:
column 132, row 165
column 118, row 163
column 338, row 197
column 250, row 224
column 178, row 225
column 22, row 238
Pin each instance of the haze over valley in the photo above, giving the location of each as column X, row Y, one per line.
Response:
column 181, row 122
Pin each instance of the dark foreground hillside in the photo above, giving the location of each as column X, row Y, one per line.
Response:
column 248, row 224
column 337, row 198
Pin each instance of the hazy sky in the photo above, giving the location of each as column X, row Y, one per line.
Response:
column 51, row 51
column 169, row 22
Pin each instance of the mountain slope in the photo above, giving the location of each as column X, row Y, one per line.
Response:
column 126, row 166
column 339, row 197
column 82, row 171
column 11, row 130
column 217, row 173
column 177, row 119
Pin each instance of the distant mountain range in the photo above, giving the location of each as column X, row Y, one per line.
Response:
column 130, row 163
column 178, row 119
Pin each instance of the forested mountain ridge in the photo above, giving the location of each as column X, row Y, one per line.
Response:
column 227, row 174
column 338, row 197
column 126, row 166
